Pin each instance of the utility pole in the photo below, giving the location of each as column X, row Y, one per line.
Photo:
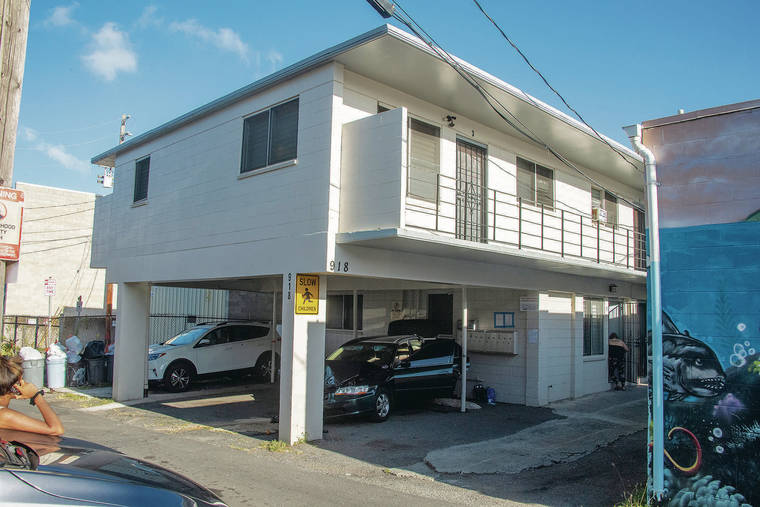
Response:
column 14, row 27
column 107, row 180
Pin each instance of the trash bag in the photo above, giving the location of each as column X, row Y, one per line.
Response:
column 94, row 349
column 56, row 350
column 30, row 354
column 74, row 344
column 491, row 395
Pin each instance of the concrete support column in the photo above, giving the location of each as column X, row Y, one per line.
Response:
column 131, row 355
column 302, row 365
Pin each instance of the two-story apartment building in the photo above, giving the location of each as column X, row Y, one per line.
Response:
column 375, row 166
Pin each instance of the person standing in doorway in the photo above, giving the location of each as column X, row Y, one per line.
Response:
column 616, row 354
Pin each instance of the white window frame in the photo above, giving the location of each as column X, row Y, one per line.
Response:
column 534, row 200
column 269, row 164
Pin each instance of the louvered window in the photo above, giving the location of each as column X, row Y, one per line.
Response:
column 142, row 174
column 424, row 159
column 535, row 183
column 270, row 137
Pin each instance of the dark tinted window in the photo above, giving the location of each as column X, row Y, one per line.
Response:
column 240, row 333
column 403, row 352
column 142, row 173
column 434, row 349
column 270, row 137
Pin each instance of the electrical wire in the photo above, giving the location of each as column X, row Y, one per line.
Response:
column 490, row 99
column 58, row 205
column 57, row 239
column 55, row 248
column 571, row 108
column 57, row 216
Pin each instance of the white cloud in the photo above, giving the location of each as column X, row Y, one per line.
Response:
column 225, row 39
column 56, row 152
column 61, row 16
column 275, row 58
column 149, row 19
column 112, row 53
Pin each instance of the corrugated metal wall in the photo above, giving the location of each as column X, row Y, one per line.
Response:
column 170, row 308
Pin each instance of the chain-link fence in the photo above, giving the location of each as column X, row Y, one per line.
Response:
column 30, row 331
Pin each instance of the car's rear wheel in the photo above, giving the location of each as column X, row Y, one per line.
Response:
column 263, row 368
column 178, row 377
column 382, row 406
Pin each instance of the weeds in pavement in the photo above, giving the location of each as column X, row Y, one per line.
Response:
column 636, row 498
column 280, row 446
column 85, row 401
column 275, row 446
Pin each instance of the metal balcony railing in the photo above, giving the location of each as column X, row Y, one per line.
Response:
column 481, row 214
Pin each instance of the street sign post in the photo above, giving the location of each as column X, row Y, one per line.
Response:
column 50, row 292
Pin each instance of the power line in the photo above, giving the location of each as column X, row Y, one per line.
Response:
column 490, row 99
column 571, row 108
column 52, row 231
column 57, row 216
column 59, row 205
column 55, row 248
column 57, row 239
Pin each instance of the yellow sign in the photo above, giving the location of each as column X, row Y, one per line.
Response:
column 307, row 294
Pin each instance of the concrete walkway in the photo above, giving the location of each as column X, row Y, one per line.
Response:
column 588, row 424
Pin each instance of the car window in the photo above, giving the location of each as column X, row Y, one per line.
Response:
column 241, row 333
column 187, row 337
column 216, row 337
column 380, row 353
column 432, row 349
column 415, row 344
column 403, row 352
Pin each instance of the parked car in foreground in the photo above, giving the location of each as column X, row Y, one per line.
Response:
column 213, row 348
column 43, row 470
column 368, row 375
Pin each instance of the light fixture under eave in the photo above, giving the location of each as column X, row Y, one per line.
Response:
column 613, row 288
column 450, row 118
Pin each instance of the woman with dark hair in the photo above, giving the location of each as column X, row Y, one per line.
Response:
column 13, row 387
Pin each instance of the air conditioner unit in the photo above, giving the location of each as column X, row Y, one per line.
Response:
column 599, row 215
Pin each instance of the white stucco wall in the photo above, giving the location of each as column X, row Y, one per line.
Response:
column 55, row 241
column 202, row 218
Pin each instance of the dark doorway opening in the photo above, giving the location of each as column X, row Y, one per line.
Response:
column 441, row 311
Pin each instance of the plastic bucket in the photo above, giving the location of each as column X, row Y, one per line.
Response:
column 34, row 371
column 96, row 370
column 56, row 372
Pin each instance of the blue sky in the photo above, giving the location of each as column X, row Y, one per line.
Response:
column 616, row 62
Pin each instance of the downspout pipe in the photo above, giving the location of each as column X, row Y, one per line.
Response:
column 655, row 305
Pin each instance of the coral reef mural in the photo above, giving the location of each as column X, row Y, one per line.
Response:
column 711, row 366
column 708, row 171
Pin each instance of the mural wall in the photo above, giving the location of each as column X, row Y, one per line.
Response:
column 708, row 164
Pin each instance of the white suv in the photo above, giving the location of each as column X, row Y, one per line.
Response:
column 213, row 348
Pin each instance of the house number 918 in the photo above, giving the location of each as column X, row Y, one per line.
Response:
column 337, row 267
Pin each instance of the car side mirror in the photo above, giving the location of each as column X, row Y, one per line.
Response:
column 203, row 342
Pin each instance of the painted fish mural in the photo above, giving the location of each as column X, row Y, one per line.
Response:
column 690, row 368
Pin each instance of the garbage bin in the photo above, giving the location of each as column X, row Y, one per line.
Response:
column 96, row 370
column 34, row 371
column 109, row 368
column 56, row 371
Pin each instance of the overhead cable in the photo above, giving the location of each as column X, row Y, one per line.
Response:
column 490, row 99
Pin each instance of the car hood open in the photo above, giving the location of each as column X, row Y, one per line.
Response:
column 338, row 373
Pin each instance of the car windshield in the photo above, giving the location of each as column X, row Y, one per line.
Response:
column 364, row 353
column 187, row 337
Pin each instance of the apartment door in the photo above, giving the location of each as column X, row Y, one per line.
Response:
column 471, row 196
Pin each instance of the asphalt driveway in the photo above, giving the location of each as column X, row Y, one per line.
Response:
column 583, row 452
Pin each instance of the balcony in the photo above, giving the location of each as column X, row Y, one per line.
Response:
column 463, row 218
column 485, row 215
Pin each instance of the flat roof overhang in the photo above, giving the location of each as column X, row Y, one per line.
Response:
column 435, row 245
column 400, row 60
